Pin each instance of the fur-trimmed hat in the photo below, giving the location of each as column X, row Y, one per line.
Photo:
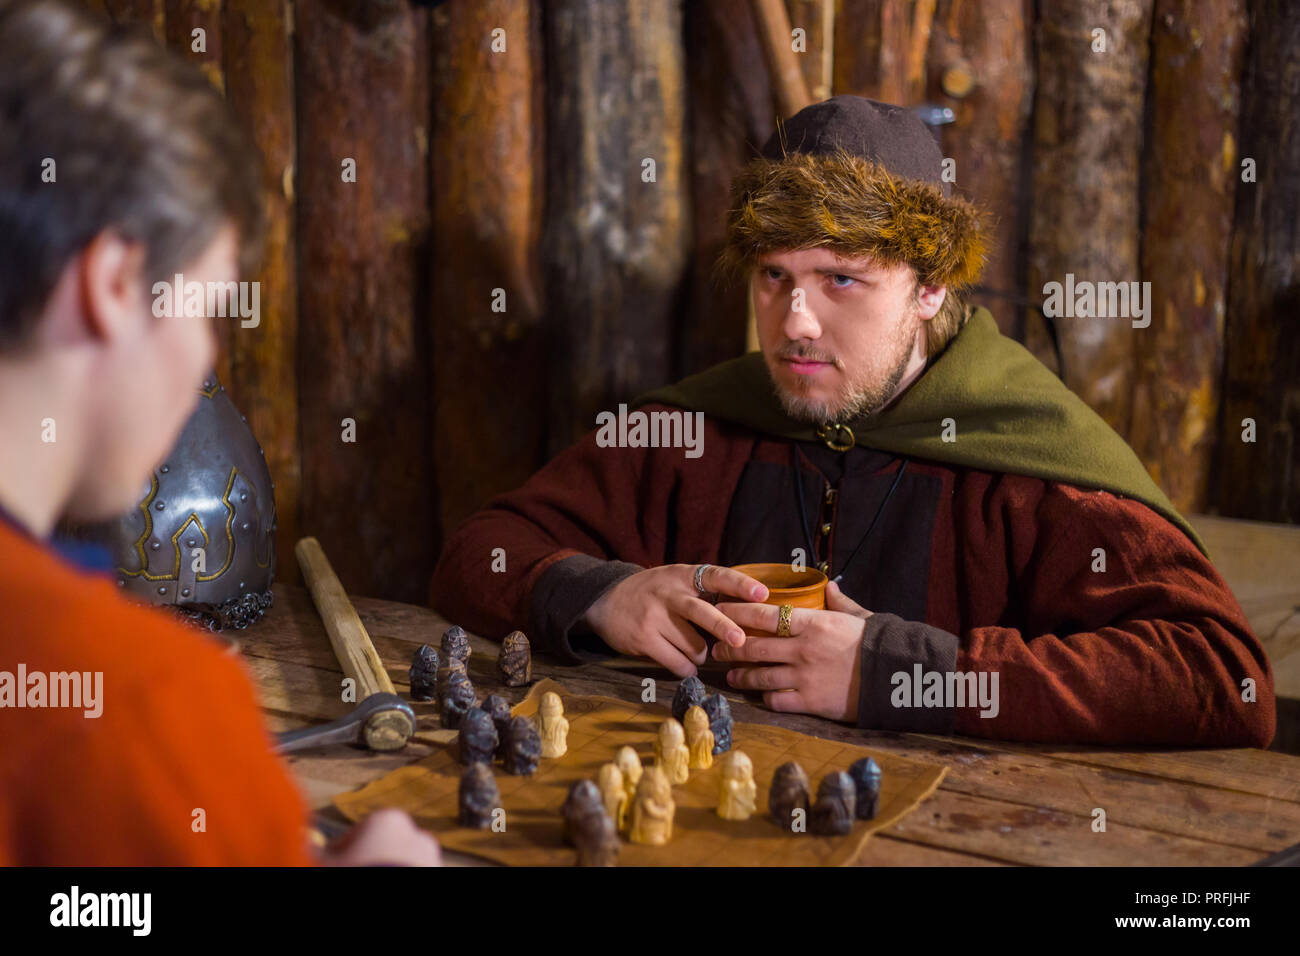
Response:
column 858, row 177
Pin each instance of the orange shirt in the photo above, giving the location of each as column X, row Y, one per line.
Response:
column 177, row 768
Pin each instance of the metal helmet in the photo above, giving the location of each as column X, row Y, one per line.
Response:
column 202, row 536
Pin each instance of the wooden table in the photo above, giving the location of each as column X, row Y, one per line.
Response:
column 1001, row 803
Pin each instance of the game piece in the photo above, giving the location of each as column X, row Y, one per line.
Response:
column 629, row 764
column 588, row 827
column 523, row 746
column 478, row 796
column 690, row 693
column 447, row 666
column 597, row 840
column 671, row 751
column 515, row 661
column 652, row 810
column 455, row 643
column 455, row 697
column 790, row 791
column 738, row 793
column 478, row 737
column 554, row 729
column 866, row 778
column 699, row 738
column 720, row 722
column 614, row 794
column 499, row 710
column 832, row 814
column 424, row 673
column 583, row 797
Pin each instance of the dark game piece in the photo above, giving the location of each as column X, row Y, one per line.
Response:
column 719, row 713
column 515, row 662
column 790, row 791
column 449, row 664
column 588, row 827
column 690, row 693
column 832, row 814
column 478, row 737
column 499, row 711
column 455, row 643
column 447, row 668
column 455, row 697
column 866, row 778
column 597, row 840
column 478, row 796
column 424, row 673
column 583, row 798
column 523, row 746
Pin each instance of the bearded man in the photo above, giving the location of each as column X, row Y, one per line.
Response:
column 980, row 525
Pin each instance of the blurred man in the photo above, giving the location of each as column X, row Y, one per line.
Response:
column 125, row 737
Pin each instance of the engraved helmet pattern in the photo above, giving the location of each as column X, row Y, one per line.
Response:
column 202, row 536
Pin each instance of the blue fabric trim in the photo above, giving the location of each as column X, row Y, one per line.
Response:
column 83, row 555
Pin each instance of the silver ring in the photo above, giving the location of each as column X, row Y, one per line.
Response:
column 699, row 579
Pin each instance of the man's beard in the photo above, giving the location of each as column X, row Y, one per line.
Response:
column 853, row 401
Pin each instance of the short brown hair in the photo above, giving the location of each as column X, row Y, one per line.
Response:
column 134, row 139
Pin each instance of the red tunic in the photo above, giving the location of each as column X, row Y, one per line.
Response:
column 969, row 572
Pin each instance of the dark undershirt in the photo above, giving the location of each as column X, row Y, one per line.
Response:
column 891, row 571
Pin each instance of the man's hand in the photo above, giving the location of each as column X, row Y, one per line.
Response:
column 650, row 613
column 816, row 670
column 385, row 838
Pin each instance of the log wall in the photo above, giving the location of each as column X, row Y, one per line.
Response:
column 502, row 268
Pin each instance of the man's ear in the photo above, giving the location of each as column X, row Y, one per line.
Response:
column 112, row 286
column 929, row 300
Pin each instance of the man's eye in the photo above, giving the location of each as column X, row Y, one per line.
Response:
column 773, row 274
column 848, row 280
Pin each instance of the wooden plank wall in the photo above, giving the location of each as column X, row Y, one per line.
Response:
column 502, row 268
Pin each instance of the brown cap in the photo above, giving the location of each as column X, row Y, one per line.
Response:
column 860, row 178
column 891, row 136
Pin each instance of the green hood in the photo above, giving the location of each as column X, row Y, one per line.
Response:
column 1011, row 414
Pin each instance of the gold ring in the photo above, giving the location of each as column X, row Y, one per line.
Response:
column 783, row 620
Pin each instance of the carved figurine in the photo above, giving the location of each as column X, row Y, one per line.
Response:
column 629, row 764
column 588, row 827
column 699, row 738
column 478, row 796
column 447, row 667
column 790, row 791
column 499, row 711
column 515, row 660
column 737, row 794
column 424, row 673
column 523, row 746
column 455, row 643
column 671, row 752
column 614, row 794
column 477, row 742
column 583, row 797
column 553, row 727
column 832, row 814
column 690, row 693
column 596, row 839
column 866, row 778
column 455, row 698
column 652, row 810
column 719, row 712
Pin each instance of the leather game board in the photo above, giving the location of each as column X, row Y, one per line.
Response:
column 598, row 727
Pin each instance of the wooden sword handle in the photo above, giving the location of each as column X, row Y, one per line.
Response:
column 352, row 645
